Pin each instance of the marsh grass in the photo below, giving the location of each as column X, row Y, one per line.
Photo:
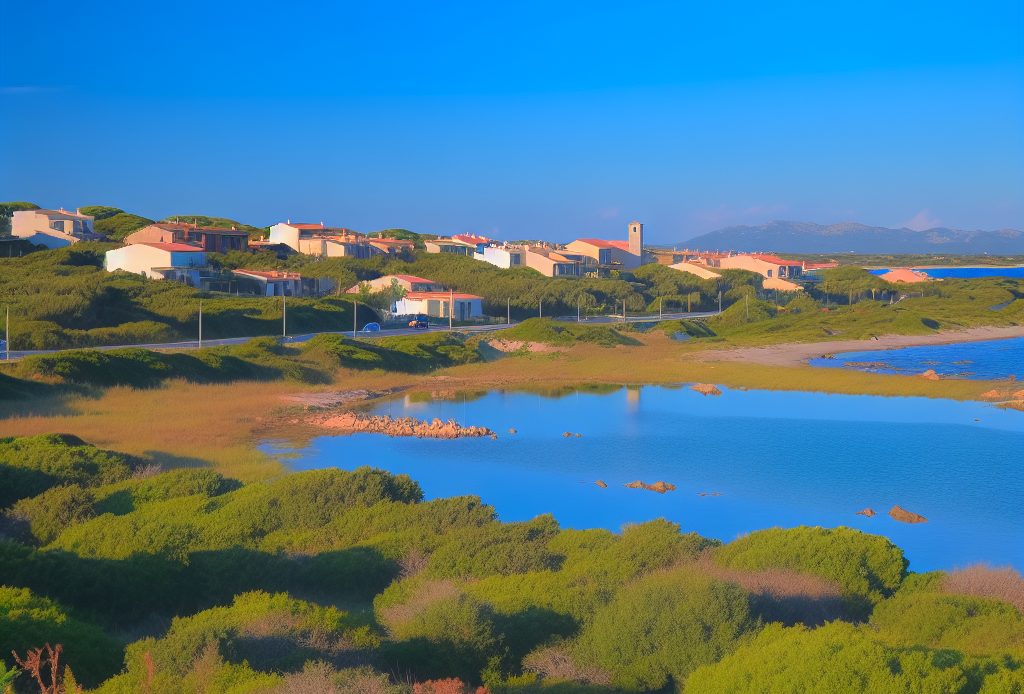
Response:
column 984, row 581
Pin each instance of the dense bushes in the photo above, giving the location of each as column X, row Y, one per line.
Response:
column 29, row 621
column 522, row 607
column 665, row 626
column 834, row 659
column 410, row 354
column 31, row 465
column 868, row 567
column 549, row 332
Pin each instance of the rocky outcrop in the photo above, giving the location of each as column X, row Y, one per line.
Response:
column 659, row 486
column 904, row 516
column 866, row 512
column 991, row 395
column 511, row 431
column 601, row 484
column 930, row 375
column 404, row 426
column 706, row 389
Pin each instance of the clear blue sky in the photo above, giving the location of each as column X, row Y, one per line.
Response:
column 552, row 120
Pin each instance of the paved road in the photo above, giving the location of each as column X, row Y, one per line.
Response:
column 371, row 335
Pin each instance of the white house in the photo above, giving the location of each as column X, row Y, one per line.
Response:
column 53, row 228
column 180, row 262
column 503, row 256
column 329, row 242
column 436, row 304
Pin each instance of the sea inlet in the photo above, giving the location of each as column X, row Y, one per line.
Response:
column 741, row 461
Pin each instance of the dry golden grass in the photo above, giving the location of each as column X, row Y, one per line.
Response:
column 1001, row 582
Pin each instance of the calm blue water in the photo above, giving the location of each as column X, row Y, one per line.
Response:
column 779, row 459
column 963, row 272
column 985, row 360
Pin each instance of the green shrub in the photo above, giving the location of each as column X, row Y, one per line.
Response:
column 688, row 327
column 497, row 548
column 866, row 566
column 975, row 626
column 833, row 659
column 29, row 621
column 664, row 626
column 551, row 332
column 56, row 509
column 409, row 354
column 31, row 465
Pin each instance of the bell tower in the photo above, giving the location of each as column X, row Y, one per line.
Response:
column 636, row 240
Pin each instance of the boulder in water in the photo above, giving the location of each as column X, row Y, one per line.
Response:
column 601, row 484
column 991, row 394
column 706, row 389
column 511, row 431
column 930, row 375
column 866, row 512
column 904, row 516
column 659, row 486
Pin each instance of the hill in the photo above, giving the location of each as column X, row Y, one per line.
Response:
column 215, row 223
column 807, row 237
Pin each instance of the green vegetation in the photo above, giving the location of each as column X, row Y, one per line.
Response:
column 550, row 332
column 114, row 222
column 216, row 223
column 9, row 208
column 445, row 589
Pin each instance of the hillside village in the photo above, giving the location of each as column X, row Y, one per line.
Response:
column 178, row 249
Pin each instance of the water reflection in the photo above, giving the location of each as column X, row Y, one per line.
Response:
column 777, row 458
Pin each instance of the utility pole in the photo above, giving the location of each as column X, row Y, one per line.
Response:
column 746, row 306
column 661, row 301
column 354, row 318
column 540, row 308
column 200, row 324
column 284, row 316
column 7, row 335
column 508, row 309
column 623, row 310
column 719, row 300
column 577, row 310
column 451, row 308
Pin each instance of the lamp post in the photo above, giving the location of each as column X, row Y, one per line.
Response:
column 355, row 307
column 508, row 309
column 451, row 308
column 200, row 324
column 540, row 308
column 284, row 316
column 7, row 335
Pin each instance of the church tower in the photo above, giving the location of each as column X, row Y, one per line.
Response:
column 636, row 240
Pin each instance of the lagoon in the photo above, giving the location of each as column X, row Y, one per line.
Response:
column 982, row 360
column 777, row 458
column 961, row 272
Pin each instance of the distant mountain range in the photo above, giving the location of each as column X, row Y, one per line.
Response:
column 806, row 237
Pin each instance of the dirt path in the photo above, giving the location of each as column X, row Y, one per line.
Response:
column 797, row 353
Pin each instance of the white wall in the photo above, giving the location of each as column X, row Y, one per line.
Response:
column 139, row 259
column 286, row 234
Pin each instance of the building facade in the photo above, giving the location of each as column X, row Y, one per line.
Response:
column 53, row 228
column 178, row 262
column 210, row 239
column 439, row 304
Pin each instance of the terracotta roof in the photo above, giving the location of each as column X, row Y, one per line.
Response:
column 65, row 212
column 621, row 245
column 174, row 247
column 410, row 278
column 774, row 259
column 906, row 275
column 597, row 243
column 420, row 296
column 471, row 238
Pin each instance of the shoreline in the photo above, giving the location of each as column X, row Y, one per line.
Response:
column 799, row 353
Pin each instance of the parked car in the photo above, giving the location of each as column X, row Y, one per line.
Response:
column 419, row 322
column 371, row 328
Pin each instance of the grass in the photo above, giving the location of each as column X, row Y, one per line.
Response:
column 549, row 332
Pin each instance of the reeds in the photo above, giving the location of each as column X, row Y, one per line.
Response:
column 984, row 581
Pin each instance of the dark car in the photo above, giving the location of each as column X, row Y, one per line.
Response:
column 419, row 322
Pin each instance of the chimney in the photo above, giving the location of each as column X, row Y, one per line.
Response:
column 289, row 221
column 78, row 210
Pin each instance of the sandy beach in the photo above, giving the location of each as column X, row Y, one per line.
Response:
column 798, row 353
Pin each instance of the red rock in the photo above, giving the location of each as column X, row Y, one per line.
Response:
column 904, row 516
column 866, row 512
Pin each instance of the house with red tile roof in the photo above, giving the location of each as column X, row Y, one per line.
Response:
column 211, row 239
column 625, row 254
column 323, row 241
column 281, row 283
column 440, row 305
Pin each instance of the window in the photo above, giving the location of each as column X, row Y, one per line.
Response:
column 58, row 225
column 769, row 273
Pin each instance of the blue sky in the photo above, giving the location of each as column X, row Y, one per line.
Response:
column 551, row 120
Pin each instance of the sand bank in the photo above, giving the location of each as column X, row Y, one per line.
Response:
column 798, row 353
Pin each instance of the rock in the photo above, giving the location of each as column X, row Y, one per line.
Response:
column 1019, row 395
column 659, row 486
column 930, row 375
column 494, row 436
column 567, row 434
column 404, row 426
column 717, row 494
column 511, row 431
column 866, row 512
column 991, row 395
column 702, row 493
column 706, row 389
column 578, row 435
column 904, row 516
column 601, row 484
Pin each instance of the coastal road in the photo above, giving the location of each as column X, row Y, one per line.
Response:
column 395, row 332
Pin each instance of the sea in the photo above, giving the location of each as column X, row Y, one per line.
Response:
column 982, row 360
